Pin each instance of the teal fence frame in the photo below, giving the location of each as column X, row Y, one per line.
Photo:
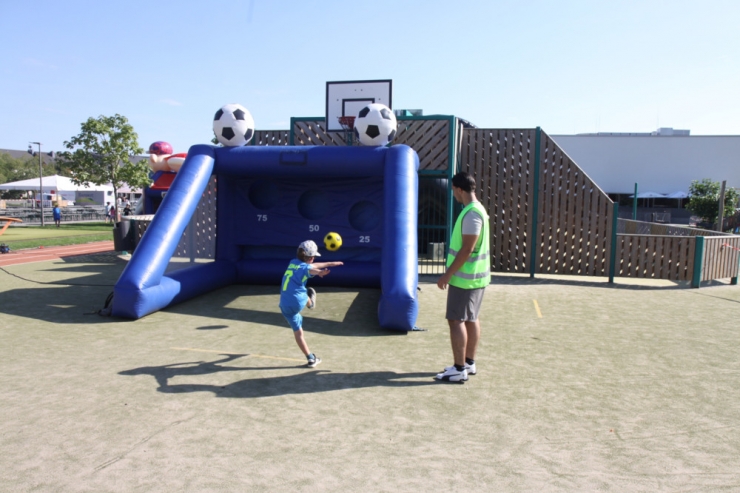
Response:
column 437, row 265
column 534, row 244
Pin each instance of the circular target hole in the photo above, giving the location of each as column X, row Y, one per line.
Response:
column 313, row 204
column 264, row 194
column 364, row 216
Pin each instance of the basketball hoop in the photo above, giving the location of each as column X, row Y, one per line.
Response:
column 348, row 125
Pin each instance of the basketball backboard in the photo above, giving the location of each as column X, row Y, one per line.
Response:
column 347, row 98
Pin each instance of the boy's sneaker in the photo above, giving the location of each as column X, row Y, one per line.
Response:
column 311, row 298
column 451, row 374
column 469, row 368
column 313, row 360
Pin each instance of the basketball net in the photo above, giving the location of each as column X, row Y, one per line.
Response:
column 348, row 125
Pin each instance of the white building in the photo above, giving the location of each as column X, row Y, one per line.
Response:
column 664, row 161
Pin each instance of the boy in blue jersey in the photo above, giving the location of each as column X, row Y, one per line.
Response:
column 294, row 295
column 57, row 214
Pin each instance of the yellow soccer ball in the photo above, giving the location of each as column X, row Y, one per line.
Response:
column 332, row 241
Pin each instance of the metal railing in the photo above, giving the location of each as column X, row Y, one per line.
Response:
column 69, row 214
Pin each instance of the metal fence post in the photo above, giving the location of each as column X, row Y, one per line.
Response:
column 452, row 167
column 613, row 252
column 534, row 242
column 634, row 204
column 698, row 258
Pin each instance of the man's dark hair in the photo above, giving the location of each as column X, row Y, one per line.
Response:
column 464, row 181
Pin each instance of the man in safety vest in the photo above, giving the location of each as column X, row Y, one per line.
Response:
column 468, row 273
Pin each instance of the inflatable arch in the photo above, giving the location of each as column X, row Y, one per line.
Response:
column 268, row 200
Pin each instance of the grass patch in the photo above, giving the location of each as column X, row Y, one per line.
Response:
column 22, row 237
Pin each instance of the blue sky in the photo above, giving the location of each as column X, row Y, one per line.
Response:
column 566, row 66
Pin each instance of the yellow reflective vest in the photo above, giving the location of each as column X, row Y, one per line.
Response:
column 476, row 271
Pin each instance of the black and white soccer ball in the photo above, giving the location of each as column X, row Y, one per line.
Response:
column 233, row 125
column 375, row 125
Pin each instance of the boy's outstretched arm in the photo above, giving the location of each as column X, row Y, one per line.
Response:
column 320, row 269
column 324, row 265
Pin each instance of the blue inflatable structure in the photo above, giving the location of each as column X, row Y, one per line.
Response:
column 268, row 200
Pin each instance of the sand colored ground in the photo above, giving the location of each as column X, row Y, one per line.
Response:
column 581, row 387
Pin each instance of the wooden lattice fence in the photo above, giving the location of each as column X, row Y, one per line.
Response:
column 655, row 256
column 675, row 253
column 502, row 164
column 271, row 138
column 573, row 216
column 630, row 226
column 719, row 259
column 428, row 136
column 534, row 191
column 312, row 132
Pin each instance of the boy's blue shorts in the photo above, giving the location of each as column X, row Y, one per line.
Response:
column 294, row 317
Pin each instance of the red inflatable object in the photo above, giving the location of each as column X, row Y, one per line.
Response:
column 160, row 148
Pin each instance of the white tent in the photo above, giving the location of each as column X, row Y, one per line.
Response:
column 53, row 183
column 61, row 187
column 677, row 195
column 649, row 195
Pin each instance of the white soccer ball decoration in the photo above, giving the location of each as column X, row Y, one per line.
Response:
column 375, row 125
column 233, row 125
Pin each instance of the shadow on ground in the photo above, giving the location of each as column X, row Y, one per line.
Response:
column 308, row 382
column 359, row 320
column 52, row 297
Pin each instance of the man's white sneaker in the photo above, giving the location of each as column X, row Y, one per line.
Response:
column 469, row 368
column 452, row 374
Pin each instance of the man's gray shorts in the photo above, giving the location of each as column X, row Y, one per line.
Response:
column 464, row 304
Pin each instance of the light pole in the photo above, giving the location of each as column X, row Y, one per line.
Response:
column 41, row 183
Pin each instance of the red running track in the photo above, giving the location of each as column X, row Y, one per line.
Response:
column 53, row 253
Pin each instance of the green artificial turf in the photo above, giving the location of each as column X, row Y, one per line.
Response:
column 21, row 237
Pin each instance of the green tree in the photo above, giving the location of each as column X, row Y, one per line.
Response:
column 704, row 200
column 16, row 169
column 102, row 153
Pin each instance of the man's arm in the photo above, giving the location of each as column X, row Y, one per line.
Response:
column 468, row 245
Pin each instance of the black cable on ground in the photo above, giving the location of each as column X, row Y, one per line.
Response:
column 56, row 283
